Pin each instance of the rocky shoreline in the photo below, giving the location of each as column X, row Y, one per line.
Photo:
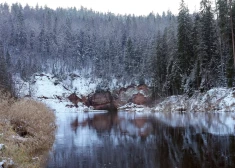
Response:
column 82, row 95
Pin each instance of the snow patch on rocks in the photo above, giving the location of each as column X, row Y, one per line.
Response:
column 54, row 92
column 214, row 100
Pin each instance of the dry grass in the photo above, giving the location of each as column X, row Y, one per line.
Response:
column 27, row 129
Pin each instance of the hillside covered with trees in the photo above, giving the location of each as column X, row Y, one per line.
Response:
column 173, row 54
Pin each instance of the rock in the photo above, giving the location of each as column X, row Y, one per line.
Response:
column 140, row 95
column 74, row 99
column 125, row 95
column 145, row 90
column 84, row 99
column 101, row 101
column 143, row 87
column 139, row 99
column 105, row 100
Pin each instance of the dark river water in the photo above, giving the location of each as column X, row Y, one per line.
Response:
column 134, row 140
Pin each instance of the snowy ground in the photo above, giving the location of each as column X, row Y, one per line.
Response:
column 214, row 100
column 54, row 92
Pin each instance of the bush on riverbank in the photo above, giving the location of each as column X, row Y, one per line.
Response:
column 26, row 129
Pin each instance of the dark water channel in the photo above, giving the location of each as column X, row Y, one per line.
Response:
column 132, row 140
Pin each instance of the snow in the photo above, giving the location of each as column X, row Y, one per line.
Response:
column 2, row 146
column 44, row 86
column 9, row 162
column 2, row 163
column 84, row 86
column 216, row 99
column 54, row 92
column 60, row 106
column 135, row 108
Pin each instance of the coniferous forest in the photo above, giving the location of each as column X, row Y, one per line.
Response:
column 175, row 54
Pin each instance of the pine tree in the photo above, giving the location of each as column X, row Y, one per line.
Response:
column 208, row 47
column 225, row 40
column 160, row 64
column 185, row 47
column 195, row 77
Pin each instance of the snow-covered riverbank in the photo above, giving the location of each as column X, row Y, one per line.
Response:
column 54, row 92
column 214, row 100
column 76, row 93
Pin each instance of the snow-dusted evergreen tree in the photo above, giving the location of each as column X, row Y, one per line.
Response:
column 185, row 48
column 169, row 88
column 160, row 64
column 208, row 53
column 224, row 24
column 194, row 79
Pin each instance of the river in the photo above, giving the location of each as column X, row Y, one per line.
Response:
column 136, row 140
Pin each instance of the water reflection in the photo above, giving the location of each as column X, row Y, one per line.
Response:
column 133, row 140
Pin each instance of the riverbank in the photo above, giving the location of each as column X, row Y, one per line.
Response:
column 80, row 94
column 26, row 132
column 214, row 100
column 76, row 93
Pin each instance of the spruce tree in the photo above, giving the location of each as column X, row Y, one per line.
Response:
column 160, row 64
column 185, row 47
column 208, row 47
column 223, row 19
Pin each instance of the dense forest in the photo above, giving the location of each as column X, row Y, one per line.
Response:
column 173, row 54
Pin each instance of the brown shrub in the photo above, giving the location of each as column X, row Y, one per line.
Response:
column 27, row 130
column 35, row 121
column 5, row 101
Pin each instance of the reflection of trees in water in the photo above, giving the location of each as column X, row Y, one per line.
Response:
column 162, row 146
column 183, row 147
